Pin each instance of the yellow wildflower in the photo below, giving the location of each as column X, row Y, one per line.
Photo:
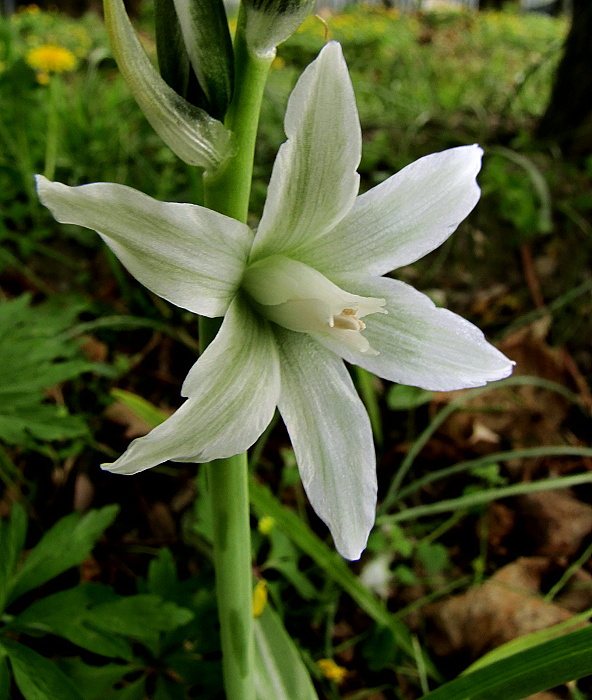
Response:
column 332, row 671
column 265, row 525
column 259, row 598
column 51, row 59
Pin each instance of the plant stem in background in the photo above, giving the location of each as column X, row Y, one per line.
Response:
column 51, row 142
column 228, row 193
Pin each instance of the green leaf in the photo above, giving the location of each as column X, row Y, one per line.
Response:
column 146, row 411
column 380, row 649
column 67, row 613
column 528, row 672
column 94, row 681
column 527, row 641
column 162, row 575
column 284, row 557
column 142, row 617
column 5, row 676
column 433, row 556
column 44, row 422
column 67, row 544
column 280, row 672
column 133, row 691
column 12, row 541
column 35, row 354
column 167, row 689
column 332, row 565
column 403, row 398
column 38, row 678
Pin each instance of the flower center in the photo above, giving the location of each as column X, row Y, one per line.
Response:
column 348, row 321
column 300, row 298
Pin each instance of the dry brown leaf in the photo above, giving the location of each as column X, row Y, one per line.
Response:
column 161, row 521
column 93, row 349
column 507, row 606
column 500, row 523
column 577, row 594
column 554, row 521
column 84, row 493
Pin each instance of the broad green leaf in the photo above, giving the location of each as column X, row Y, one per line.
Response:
column 94, row 682
column 43, row 422
column 12, row 540
column 162, row 575
column 67, row 544
column 67, row 613
column 36, row 353
column 142, row 617
column 4, row 676
column 167, row 689
column 280, row 673
column 38, row 678
column 528, row 672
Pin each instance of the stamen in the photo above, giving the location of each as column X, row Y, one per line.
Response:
column 347, row 321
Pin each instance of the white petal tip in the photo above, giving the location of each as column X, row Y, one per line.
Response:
column 116, row 468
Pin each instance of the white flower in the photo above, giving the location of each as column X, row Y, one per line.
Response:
column 293, row 295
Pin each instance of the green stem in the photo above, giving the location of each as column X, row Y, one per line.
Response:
column 365, row 381
column 229, row 497
column 228, row 192
column 51, row 143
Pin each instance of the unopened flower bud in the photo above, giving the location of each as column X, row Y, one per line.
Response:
column 269, row 22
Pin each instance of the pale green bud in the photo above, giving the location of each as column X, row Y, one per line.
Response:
column 269, row 22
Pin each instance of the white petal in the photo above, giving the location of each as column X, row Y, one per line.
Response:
column 332, row 439
column 190, row 132
column 233, row 389
column 314, row 181
column 403, row 218
column 189, row 255
column 420, row 344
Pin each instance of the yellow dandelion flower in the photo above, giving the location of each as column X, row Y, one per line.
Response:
column 259, row 598
column 51, row 59
column 332, row 671
column 265, row 525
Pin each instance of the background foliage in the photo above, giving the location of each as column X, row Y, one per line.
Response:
column 88, row 360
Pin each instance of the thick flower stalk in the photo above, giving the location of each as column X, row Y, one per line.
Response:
column 300, row 295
